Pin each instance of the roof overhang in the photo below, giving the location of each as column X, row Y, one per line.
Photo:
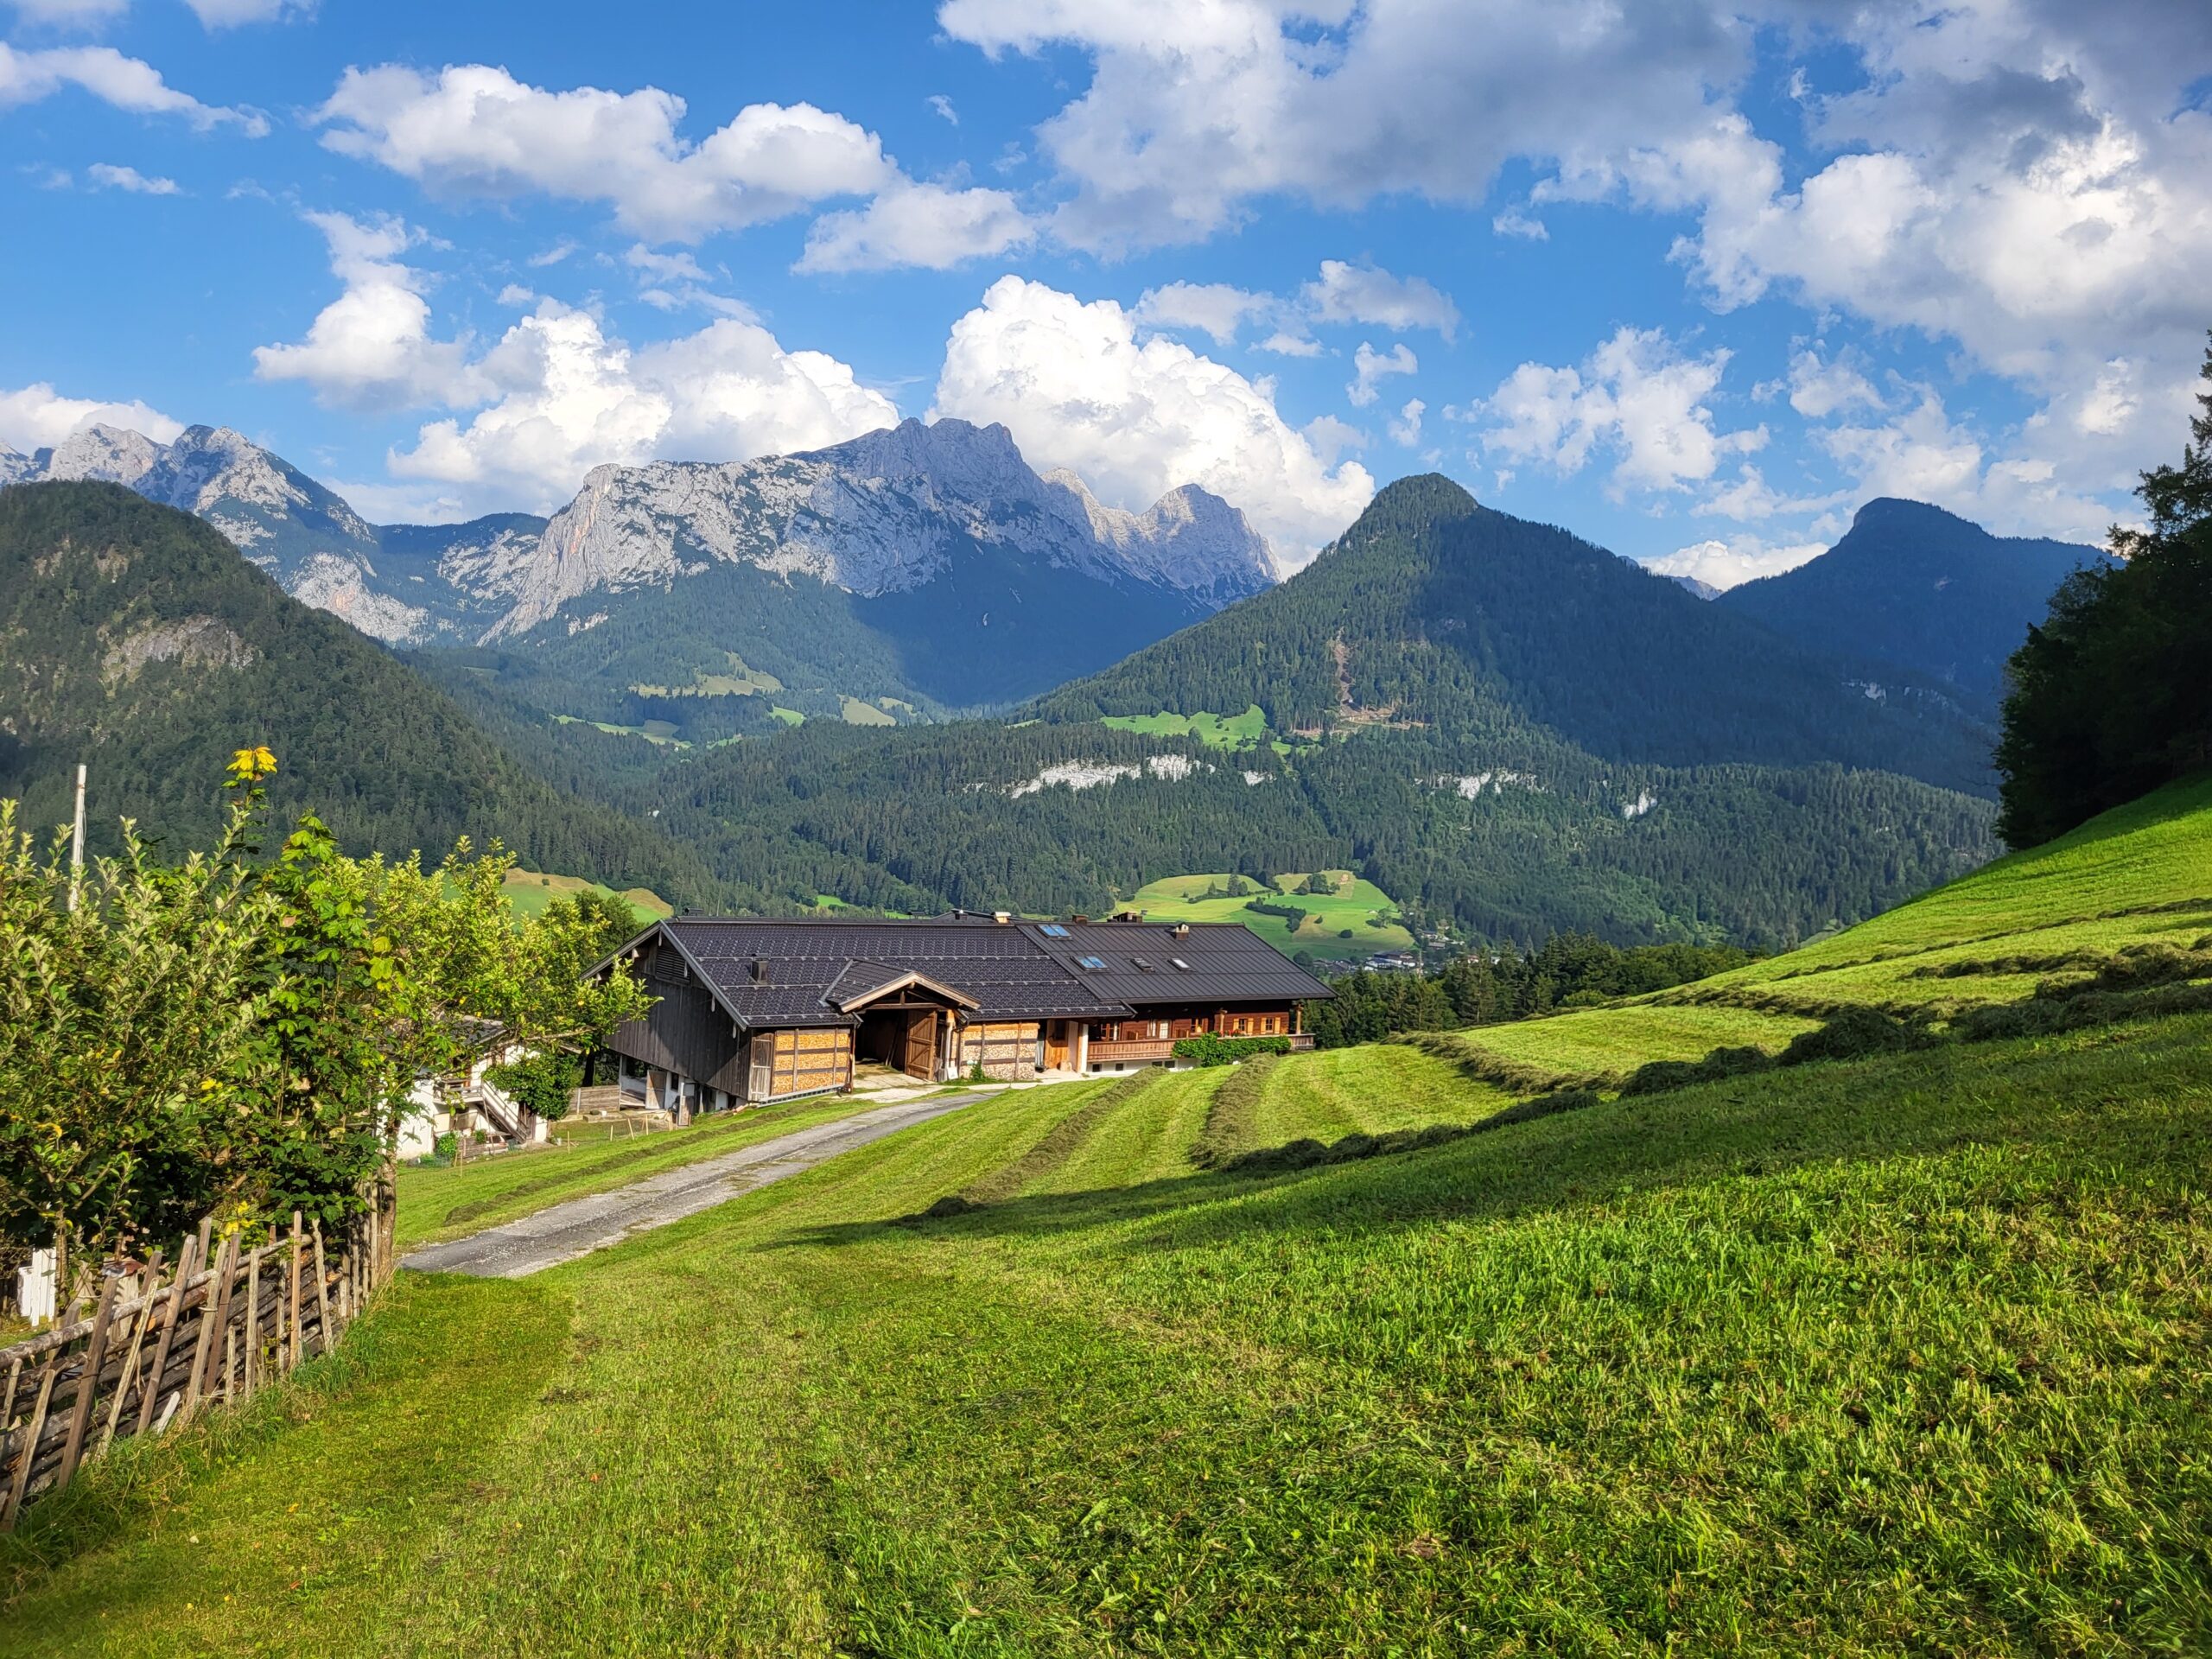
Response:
column 905, row 982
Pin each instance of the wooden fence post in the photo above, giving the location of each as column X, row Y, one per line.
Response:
column 292, row 1300
column 251, row 1342
column 146, row 1283
column 187, row 1264
column 214, row 1326
column 322, row 1292
column 88, row 1382
column 29, row 1454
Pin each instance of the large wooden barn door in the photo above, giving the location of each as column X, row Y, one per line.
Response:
column 921, row 1046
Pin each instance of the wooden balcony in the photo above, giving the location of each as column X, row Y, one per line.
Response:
column 1146, row 1049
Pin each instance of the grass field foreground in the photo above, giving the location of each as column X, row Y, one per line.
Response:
column 1898, row 1355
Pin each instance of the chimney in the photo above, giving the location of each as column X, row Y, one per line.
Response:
column 1182, row 929
column 760, row 970
column 1001, row 917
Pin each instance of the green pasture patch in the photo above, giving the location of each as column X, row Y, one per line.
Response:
column 529, row 891
column 857, row 713
column 1613, row 1041
column 1370, row 912
column 660, row 733
column 788, row 717
column 1242, row 731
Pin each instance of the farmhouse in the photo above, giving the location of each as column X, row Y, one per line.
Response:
column 756, row 1011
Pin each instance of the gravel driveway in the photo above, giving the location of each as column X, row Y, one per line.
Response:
column 565, row 1231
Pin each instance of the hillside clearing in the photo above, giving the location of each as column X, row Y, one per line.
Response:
column 530, row 891
column 1370, row 913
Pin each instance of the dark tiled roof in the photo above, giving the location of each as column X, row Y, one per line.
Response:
column 1227, row 963
column 1000, row 967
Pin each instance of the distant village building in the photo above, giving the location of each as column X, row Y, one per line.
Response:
column 756, row 1011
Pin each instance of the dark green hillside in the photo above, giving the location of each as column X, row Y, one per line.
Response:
column 135, row 638
column 925, row 817
column 1921, row 589
column 1436, row 612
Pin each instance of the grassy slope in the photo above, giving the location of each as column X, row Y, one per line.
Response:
column 1354, row 905
column 2140, row 874
column 1216, row 731
column 1904, row 1354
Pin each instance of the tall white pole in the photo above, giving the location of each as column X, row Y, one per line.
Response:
column 77, row 842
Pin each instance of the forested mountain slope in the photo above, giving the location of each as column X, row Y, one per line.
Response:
column 1921, row 589
column 1434, row 612
column 134, row 637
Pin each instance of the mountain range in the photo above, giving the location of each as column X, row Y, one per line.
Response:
column 1511, row 730
column 915, row 567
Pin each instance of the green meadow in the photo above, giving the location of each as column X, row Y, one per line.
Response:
column 1903, row 1354
column 529, row 891
column 1370, row 913
column 1242, row 731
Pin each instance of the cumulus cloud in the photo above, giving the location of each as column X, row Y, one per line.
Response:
column 106, row 176
column 1924, row 456
column 564, row 397
column 1515, row 221
column 928, row 225
column 1345, row 293
column 1136, row 418
column 2030, row 178
column 372, row 347
column 129, row 84
column 1739, row 559
column 1370, row 366
column 1818, row 389
column 475, row 130
column 1636, row 396
column 1218, row 309
column 1406, row 430
column 38, row 417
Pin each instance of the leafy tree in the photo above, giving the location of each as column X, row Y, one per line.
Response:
column 232, row 1035
column 2110, row 695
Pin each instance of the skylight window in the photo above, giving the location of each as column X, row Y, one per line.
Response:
column 1141, row 964
column 1053, row 931
column 1090, row 962
column 1179, row 962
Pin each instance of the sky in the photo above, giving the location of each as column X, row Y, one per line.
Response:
column 1694, row 278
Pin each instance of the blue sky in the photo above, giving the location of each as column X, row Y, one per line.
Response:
column 1695, row 280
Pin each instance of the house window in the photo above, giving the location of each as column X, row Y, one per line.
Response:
column 1090, row 962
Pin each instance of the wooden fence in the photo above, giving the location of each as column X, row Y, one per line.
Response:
column 166, row 1342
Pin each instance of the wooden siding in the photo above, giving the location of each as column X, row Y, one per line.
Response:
column 686, row 1032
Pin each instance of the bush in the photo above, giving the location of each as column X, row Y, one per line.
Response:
column 1857, row 1031
column 1206, row 1049
column 539, row 1083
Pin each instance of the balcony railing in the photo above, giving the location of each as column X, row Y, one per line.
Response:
column 1151, row 1048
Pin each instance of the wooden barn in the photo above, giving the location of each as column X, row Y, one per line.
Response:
column 757, row 1011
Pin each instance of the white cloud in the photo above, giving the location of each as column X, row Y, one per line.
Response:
column 1077, row 389
column 928, row 225
column 1514, row 221
column 230, row 14
column 552, row 256
column 1217, row 308
column 1636, row 396
column 1818, row 390
column 371, row 347
column 942, row 106
column 70, row 13
column 1751, row 499
column 1345, row 293
column 474, row 129
column 1739, row 559
column 38, row 417
column 1370, row 366
column 1406, row 430
column 127, row 83
column 515, row 293
column 565, row 398
column 1925, row 456
column 1331, row 437
column 107, row 176
column 1286, row 342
